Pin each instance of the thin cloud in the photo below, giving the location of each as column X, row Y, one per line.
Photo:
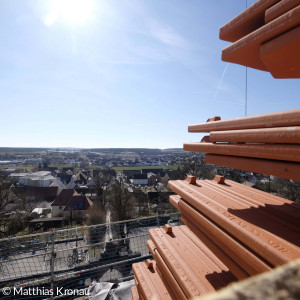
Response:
column 221, row 80
column 166, row 34
column 203, row 93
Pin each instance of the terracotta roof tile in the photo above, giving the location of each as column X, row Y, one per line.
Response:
column 134, row 293
column 246, row 22
column 267, row 144
column 279, row 9
column 251, row 226
column 196, row 269
column 269, row 151
column 266, row 37
column 277, row 119
column 149, row 283
column 283, row 169
column 165, row 274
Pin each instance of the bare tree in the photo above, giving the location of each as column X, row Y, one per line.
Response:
column 12, row 208
column 121, row 203
column 286, row 188
column 289, row 189
column 96, row 215
column 194, row 165
column 141, row 200
column 103, row 182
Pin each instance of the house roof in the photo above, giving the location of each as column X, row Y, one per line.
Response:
column 150, row 175
column 80, row 176
column 86, row 202
column 155, row 171
column 64, row 197
column 140, row 176
column 38, row 191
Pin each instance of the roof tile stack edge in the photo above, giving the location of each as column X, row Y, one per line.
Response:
column 268, row 143
column 224, row 210
column 264, row 38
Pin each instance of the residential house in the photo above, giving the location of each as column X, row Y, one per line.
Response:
column 152, row 170
column 163, row 177
column 37, row 193
column 152, row 179
column 140, row 179
column 70, row 204
column 105, row 172
column 39, row 179
column 80, row 178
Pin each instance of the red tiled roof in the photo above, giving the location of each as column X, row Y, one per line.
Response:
column 50, row 191
column 64, row 196
column 78, row 202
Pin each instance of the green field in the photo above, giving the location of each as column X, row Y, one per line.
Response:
column 170, row 167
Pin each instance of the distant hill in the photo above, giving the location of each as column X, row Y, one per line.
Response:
column 20, row 150
column 134, row 150
column 102, row 150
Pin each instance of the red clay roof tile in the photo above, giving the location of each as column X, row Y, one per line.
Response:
column 269, row 120
column 225, row 210
column 277, row 135
column 149, row 282
column 281, row 54
column 246, row 22
column 165, row 274
column 279, row 9
column 283, row 152
column 196, row 269
column 246, row 51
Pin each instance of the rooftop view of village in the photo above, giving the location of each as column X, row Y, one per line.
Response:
column 57, row 188
column 149, row 149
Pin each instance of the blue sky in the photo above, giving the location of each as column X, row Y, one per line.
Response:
column 122, row 73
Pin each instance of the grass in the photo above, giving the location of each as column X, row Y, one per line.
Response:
column 170, row 167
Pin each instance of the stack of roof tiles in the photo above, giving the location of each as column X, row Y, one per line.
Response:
column 268, row 144
column 266, row 36
column 231, row 232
